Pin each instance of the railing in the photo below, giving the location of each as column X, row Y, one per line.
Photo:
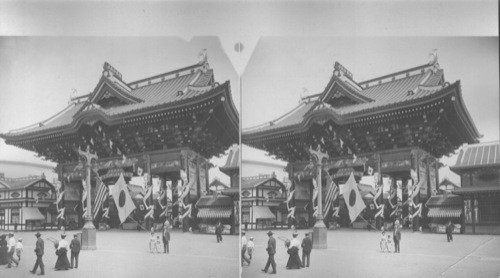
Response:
column 263, row 226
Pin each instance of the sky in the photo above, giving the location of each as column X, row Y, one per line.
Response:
column 39, row 74
column 282, row 69
column 250, row 23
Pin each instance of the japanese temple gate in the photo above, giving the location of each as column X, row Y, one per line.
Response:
column 162, row 126
column 389, row 125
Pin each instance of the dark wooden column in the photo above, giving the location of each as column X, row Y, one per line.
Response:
column 473, row 211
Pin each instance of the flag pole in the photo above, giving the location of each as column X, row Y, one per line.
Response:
column 367, row 222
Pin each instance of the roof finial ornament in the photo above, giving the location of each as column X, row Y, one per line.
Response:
column 303, row 95
column 203, row 57
column 433, row 60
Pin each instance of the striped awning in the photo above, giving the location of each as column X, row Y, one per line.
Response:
column 262, row 212
column 32, row 214
column 215, row 212
column 446, row 212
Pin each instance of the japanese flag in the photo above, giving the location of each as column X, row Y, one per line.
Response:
column 352, row 198
column 123, row 201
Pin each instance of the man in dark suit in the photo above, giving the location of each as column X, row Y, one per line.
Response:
column 271, row 250
column 397, row 236
column 449, row 231
column 306, row 250
column 39, row 254
column 218, row 231
column 75, row 247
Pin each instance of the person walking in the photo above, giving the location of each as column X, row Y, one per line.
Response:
column 306, row 250
column 166, row 236
column 19, row 249
column 11, row 249
column 75, row 247
column 39, row 254
column 449, row 231
column 397, row 236
column 4, row 250
column 271, row 250
column 250, row 248
column 218, row 231
column 244, row 244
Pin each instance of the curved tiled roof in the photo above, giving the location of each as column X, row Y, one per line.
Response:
column 422, row 82
column 20, row 183
column 164, row 89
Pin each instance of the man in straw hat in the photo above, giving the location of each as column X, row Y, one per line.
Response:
column 75, row 247
column 11, row 250
column 39, row 254
column 271, row 250
column 244, row 243
column 306, row 250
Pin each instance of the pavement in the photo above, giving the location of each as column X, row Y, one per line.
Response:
column 126, row 254
column 356, row 253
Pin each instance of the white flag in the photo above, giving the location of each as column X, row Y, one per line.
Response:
column 123, row 201
column 352, row 198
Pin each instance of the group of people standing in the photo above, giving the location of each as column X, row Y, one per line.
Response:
column 62, row 249
column 293, row 249
column 10, row 247
column 154, row 240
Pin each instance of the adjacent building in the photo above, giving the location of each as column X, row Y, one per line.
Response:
column 479, row 168
column 27, row 203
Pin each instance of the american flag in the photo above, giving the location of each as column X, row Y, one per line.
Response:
column 102, row 195
column 330, row 196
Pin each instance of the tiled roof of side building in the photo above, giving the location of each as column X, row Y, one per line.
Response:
column 478, row 155
column 152, row 93
column 391, row 92
column 19, row 183
column 214, row 201
column 251, row 182
column 442, row 200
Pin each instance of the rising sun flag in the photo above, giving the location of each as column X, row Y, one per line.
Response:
column 123, row 201
column 352, row 198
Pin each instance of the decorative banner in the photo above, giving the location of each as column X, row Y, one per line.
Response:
column 291, row 213
column 105, row 213
column 61, row 213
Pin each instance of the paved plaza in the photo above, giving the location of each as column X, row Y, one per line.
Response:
column 126, row 254
column 356, row 253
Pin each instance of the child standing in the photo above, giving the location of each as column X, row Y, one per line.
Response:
column 19, row 248
column 152, row 240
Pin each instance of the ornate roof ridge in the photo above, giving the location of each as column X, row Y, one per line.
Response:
column 28, row 178
column 258, row 177
column 422, row 69
column 165, row 76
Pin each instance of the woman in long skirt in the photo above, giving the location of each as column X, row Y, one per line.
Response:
column 293, row 250
column 62, row 262
column 4, row 255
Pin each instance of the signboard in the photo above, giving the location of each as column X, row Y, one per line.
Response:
column 192, row 176
column 203, row 177
column 432, row 178
column 422, row 175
